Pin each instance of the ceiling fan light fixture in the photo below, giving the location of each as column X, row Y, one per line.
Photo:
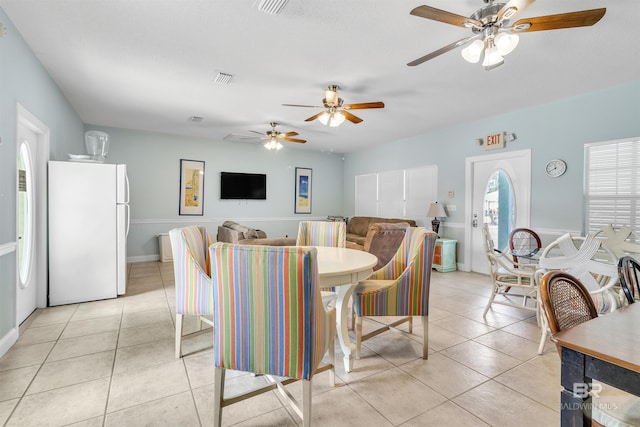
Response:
column 506, row 43
column 492, row 58
column 336, row 119
column 333, row 119
column 324, row 118
column 472, row 52
column 272, row 144
column 331, row 96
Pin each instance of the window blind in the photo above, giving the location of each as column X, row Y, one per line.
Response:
column 612, row 184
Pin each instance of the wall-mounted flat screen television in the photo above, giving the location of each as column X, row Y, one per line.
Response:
column 235, row 185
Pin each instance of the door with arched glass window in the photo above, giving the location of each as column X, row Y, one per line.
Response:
column 26, row 215
column 32, row 142
column 500, row 188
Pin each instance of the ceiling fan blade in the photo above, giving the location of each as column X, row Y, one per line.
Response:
column 583, row 18
column 513, row 8
column 287, row 134
column 306, row 106
column 315, row 116
column 351, row 117
column 255, row 131
column 446, row 17
column 441, row 51
column 239, row 137
column 300, row 141
column 363, row 105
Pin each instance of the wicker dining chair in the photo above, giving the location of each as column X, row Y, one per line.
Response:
column 565, row 301
column 629, row 272
column 504, row 277
column 523, row 242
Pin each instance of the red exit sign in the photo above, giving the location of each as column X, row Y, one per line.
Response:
column 491, row 142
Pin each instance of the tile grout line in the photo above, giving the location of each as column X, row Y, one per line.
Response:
column 113, row 364
column 41, row 364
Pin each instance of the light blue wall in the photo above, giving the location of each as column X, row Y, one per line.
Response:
column 153, row 165
column 554, row 130
column 23, row 80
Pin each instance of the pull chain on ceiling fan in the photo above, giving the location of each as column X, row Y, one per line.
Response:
column 335, row 110
column 494, row 37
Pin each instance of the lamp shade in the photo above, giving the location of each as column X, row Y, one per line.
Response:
column 506, row 43
column 472, row 52
column 436, row 210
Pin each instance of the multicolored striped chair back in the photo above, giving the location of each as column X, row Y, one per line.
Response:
column 269, row 314
column 322, row 233
column 410, row 269
column 191, row 267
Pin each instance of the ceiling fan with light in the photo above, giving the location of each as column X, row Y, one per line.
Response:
column 335, row 110
column 494, row 35
column 273, row 137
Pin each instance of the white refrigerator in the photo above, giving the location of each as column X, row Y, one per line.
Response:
column 88, row 226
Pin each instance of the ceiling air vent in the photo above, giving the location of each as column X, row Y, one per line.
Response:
column 222, row 78
column 273, row 7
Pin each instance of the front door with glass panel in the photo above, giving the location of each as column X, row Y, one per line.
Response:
column 26, row 215
column 500, row 187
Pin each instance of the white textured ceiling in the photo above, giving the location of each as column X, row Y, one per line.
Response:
column 150, row 64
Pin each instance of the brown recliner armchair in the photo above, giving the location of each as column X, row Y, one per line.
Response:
column 384, row 239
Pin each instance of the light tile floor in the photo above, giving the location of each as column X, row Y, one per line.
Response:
column 111, row 363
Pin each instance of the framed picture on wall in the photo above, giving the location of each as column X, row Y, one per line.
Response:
column 303, row 191
column 191, row 187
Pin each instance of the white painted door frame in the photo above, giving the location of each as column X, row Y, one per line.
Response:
column 521, row 180
column 42, row 132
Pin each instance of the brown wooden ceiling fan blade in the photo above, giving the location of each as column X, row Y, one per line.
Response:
column 583, row 18
column 363, row 105
column 287, row 134
column 351, row 117
column 300, row 141
column 440, row 51
column 306, row 106
column 513, row 8
column 444, row 16
column 315, row 116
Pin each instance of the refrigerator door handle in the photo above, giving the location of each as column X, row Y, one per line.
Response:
column 126, row 200
column 126, row 234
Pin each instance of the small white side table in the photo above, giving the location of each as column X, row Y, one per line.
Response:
column 444, row 255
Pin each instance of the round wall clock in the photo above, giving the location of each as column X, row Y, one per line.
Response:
column 555, row 168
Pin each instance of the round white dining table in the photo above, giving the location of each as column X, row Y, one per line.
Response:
column 343, row 268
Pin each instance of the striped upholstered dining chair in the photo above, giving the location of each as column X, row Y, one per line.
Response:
column 322, row 233
column 270, row 320
column 189, row 246
column 401, row 288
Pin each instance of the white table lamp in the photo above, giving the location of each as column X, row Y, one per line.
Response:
column 436, row 210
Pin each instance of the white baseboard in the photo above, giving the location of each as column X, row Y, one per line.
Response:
column 7, row 341
column 143, row 258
